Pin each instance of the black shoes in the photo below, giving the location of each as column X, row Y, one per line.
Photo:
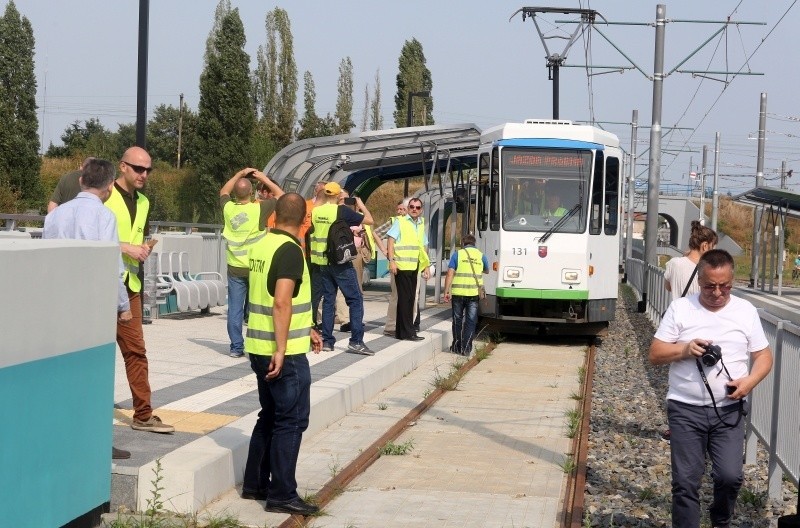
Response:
column 254, row 495
column 119, row 454
column 345, row 327
column 415, row 338
column 296, row 507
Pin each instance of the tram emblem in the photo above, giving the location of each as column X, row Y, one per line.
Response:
column 542, row 251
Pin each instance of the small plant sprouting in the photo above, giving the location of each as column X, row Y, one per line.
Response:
column 553, row 385
column 382, row 406
column 573, row 422
column 390, row 448
column 154, row 503
column 575, row 396
column 568, row 464
column 756, row 499
column 581, row 374
column 334, row 466
column 427, row 392
column 647, row 494
column 451, row 380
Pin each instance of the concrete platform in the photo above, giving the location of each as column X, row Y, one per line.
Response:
column 212, row 401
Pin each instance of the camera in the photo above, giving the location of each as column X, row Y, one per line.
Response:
column 349, row 201
column 711, row 355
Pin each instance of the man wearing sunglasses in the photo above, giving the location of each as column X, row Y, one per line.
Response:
column 407, row 259
column 131, row 209
column 706, row 400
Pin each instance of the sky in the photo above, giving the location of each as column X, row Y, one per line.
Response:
column 486, row 69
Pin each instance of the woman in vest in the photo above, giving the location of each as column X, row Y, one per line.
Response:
column 462, row 286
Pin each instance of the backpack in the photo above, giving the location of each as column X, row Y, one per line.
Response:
column 341, row 244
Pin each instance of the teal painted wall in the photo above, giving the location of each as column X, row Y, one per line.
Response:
column 55, row 436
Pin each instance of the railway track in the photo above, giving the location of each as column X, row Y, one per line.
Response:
column 572, row 502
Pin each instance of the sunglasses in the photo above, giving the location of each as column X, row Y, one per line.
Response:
column 414, row 207
column 138, row 169
column 723, row 288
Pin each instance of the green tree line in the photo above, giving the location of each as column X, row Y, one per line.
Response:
column 244, row 117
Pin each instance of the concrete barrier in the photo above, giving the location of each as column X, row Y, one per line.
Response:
column 58, row 328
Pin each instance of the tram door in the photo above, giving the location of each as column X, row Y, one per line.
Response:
column 604, row 226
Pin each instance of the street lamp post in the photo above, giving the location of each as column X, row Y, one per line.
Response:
column 409, row 116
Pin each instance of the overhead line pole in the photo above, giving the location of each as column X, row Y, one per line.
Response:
column 757, row 213
column 715, row 195
column 703, row 187
column 632, row 186
column 654, row 176
column 141, row 84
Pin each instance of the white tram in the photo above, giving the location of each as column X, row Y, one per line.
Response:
column 545, row 210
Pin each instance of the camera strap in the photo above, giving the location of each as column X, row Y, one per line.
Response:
column 713, row 401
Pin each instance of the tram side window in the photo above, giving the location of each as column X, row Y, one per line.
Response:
column 494, row 192
column 596, row 206
column 483, row 195
column 612, row 198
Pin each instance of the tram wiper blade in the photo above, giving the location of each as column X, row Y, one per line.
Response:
column 560, row 222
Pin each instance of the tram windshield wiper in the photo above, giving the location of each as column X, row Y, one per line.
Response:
column 560, row 222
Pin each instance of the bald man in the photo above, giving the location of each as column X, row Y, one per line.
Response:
column 131, row 209
column 244, row 226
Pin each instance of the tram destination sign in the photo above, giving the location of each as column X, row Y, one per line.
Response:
column 546, row 160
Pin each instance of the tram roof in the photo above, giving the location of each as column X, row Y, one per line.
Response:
column 786, row 200
column 549, row 129
column 351, row 159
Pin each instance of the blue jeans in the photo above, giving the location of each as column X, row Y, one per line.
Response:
column 275, row 443
column 695, row 432
column 465, row 319
column 341, row 277
column 237, row 297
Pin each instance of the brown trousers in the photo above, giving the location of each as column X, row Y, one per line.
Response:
column 130, row 338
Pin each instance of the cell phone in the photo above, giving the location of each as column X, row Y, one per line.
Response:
column 152, row 242
column 349, row 201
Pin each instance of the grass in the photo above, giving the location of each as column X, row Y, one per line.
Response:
column 390, row 448
column 646, row 494
column 382, row 406
column 573, row 422
column 755, row 499
column 568, row 464
column 451, row 380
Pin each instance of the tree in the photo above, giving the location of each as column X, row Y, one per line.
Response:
column 89, row 138
column 275, row 80
column 162, row 134
column 19, row 126
column 375, row 116
column 365, row 113
column 344, row 98
column 413, row 76
column 223, row 8
column 310, row 122
column 225, row 114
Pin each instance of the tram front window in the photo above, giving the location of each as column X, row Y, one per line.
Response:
column 540, row 186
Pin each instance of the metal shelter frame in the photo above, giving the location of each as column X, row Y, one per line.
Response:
column 362, row 161
column 778, row 204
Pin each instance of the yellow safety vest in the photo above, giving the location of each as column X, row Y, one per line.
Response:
column 241, row 230
column 260, row 337
column 559, row 212
column 464, row 280
column 321, row 218
column 130, row 232
column 371, row 241
column 409, row 251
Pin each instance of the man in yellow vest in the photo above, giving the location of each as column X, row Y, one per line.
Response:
column 245, row 221
column 461, row 287
column 131, row 209
column 407, row 259
column 330, row 277
column 279, row 335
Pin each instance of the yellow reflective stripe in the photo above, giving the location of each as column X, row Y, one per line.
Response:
column 249, row 240
column 267, row 310
column 270, row 336
column 239, row 252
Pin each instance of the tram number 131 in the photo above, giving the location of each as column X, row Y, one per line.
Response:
column 519, row 251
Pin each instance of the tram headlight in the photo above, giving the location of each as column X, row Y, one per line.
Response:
column 512, row 274
column 569, row 276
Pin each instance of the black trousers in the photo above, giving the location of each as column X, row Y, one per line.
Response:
column 406, row 281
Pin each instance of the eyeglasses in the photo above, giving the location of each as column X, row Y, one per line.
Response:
column 723, row 288
column 138, row 169
column 414, row 207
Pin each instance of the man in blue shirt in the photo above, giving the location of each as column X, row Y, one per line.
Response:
column 462, row 285
column 86, row 218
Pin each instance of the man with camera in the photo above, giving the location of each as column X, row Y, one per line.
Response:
column 244, row 226
column 708, row 339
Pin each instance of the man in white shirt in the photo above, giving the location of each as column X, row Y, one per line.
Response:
column 705, row 400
